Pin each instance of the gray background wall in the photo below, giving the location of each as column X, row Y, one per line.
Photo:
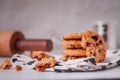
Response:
column 53, row 18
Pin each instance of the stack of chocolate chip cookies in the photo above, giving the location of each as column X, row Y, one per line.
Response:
column 86, row 44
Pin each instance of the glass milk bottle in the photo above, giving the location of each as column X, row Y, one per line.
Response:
column 108, row 32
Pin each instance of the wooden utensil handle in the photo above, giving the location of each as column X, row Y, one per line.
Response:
column 34, row 45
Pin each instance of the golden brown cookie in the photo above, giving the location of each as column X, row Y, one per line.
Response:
column 38, row 55
column 71, row 44
column 74, row 52
column 45, row 63
column 72, row 36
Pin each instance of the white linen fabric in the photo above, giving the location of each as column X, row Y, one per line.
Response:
column 82, row 64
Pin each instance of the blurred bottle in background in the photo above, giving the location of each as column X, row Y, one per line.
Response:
column 108, row 32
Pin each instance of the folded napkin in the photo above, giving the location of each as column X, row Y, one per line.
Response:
column 82, row 64
column 89, row 64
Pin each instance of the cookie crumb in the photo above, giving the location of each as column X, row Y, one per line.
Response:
column 6, row 64
column 18, row 68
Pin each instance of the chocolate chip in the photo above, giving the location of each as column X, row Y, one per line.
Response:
column 95, row 37
column 99, row 50
column 81, row 48
column 100, row 42
column 36, row 57
column 6, row 67
column 97, row 44
column 80, row 39
column 94, row 54
column 14, row 60
column 88, row 43
column 47, row 65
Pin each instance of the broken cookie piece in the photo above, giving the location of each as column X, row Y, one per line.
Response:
column 44, row 60
column 18, row 68
column 39, row 55
column 6, row 64
column 45, row 63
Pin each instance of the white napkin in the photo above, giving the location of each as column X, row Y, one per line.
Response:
column 23, row 60
column 83, row 64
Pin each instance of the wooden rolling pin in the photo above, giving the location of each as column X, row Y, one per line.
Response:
column 12, row 42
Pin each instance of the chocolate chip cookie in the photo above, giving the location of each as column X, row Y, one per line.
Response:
column 87, row 44
column 44, row 60
column 94, row 45
column 45, row 63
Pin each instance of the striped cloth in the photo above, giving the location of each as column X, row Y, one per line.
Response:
column 83, row 64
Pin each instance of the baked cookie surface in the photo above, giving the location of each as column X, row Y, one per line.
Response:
column 71, row 44
column 72, row 36
column 74, row 52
